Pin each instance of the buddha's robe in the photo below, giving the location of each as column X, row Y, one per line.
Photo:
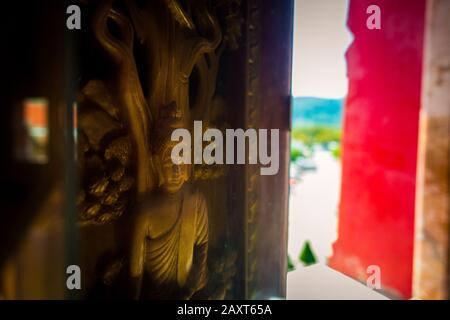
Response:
column 174, row 254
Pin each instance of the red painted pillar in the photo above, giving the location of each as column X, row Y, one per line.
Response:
column 381, row 119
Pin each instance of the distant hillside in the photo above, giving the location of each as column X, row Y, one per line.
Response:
column 308, row 111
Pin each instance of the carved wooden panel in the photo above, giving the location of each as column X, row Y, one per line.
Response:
column 148, row 68
column 109, row 199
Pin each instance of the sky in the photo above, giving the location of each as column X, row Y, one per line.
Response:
column 320, row 41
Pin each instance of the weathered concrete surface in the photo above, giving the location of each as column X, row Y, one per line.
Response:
column 431, row 267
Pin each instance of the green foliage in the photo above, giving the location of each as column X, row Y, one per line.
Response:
column 336, row 152
column 307, row 256
column 290, row 264
column 311, row 135
column 296, row 154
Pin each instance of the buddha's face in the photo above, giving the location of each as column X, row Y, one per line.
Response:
column 173, row 176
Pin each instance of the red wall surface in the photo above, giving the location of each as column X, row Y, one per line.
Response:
column 381, row 118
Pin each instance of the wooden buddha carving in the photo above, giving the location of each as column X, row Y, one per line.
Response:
column 155, row 69
column 168, row 254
